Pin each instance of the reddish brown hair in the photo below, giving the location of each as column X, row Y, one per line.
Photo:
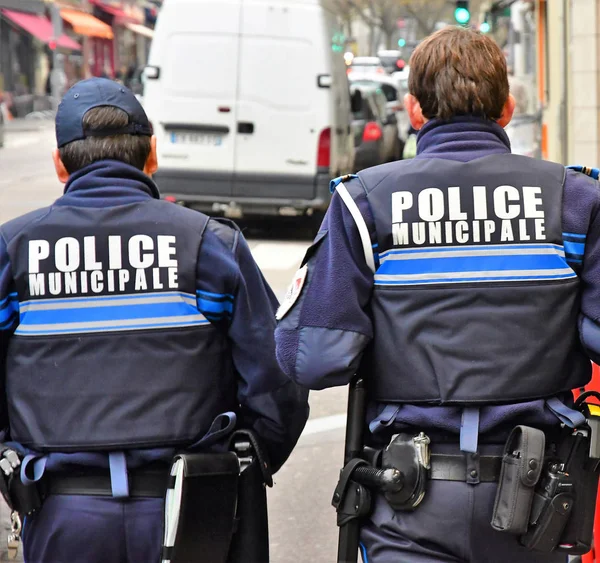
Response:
column 459, row 71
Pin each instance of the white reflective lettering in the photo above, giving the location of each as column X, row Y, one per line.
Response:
column 156, row 279
column 531, row 202
column 489, row 227
column 523, row 234
column 461, row 232
column 502, row 195
column 54, row 283
column 506, row 231
column 123, row 279
column 173, row 283
column 96, row 283
column 141, row 283
column 418, row 233
column 89, row 254
column 37, row 285
column 455, row 213
column 540, row 229
column 110, row 280
column 435, row 233
column 38, row 250
column 476, row 232
column 401, row 201
column 84, row 282
column 66, row 254
column 70, row 282
column 480, row 202
column 400, row 234
column 138, row 244
column 115, row 261
column 166, row 249
column 431, row 204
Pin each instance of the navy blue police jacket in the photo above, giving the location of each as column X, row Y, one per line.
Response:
column 129, row 324
column 425, row 334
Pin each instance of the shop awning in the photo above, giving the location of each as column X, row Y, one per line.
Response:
column 119, row 14
column 86, row 24
column 140, row 29
column 41, row 28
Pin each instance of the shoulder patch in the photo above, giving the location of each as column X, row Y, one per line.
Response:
column 293, row 293
column 592, row 172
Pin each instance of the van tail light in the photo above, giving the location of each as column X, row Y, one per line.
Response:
column 324, row 151
column 372, row 132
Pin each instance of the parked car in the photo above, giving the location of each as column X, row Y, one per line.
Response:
column 366, row 66
column 391, row 60
column 374, row 127
column 394, row 96
column 252, row 113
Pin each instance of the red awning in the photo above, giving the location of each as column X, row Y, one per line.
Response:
column 120, row 15
column 40, row 28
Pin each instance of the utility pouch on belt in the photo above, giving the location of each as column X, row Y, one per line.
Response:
column 216, row 505
column 200, row 507
column 410, row 456
column 521, row 468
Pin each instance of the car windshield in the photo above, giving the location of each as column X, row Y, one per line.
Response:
column 389, row 91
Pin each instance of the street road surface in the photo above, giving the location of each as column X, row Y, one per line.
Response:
column 302, row 521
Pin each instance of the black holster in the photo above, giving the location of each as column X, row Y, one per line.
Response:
column 250, row 542
column 562, row 517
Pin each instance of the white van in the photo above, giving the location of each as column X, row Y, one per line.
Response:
column 250, row 103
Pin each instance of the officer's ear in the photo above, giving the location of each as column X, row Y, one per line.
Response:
column 507, row 111
column 61, row 171
column 151, row 165
column 415, row 114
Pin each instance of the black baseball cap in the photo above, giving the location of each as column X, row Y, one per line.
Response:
column 93, row 93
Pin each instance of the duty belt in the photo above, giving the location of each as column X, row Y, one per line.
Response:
column 453, row 467
column 142, row 483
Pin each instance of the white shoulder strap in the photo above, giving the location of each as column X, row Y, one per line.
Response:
column 360, row 225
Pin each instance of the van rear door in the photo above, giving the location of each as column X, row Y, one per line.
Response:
column 281, row 109
column 194, row 114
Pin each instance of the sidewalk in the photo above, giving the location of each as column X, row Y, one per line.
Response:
column 21, row 125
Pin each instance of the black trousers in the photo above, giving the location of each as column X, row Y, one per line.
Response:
column 451, row 525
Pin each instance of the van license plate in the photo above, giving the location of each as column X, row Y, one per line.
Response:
column 191, row 138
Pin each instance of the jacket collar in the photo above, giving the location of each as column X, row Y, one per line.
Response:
column 461, row 138
column 106, row 177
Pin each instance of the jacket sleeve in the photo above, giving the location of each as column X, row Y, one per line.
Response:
column 581, row 238
column 9, row 315
column 269, row 403
column 321, row 338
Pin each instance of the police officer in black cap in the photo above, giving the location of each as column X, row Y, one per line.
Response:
column 130, row 328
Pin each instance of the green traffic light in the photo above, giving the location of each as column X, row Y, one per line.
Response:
column 401, row 42
column 485, row 27
column 462, row 15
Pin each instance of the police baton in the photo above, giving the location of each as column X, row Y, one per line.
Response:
column 352, row 497
column 349, row 534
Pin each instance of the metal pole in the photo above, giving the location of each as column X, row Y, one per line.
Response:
column 85, row 6
column 56, row 82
